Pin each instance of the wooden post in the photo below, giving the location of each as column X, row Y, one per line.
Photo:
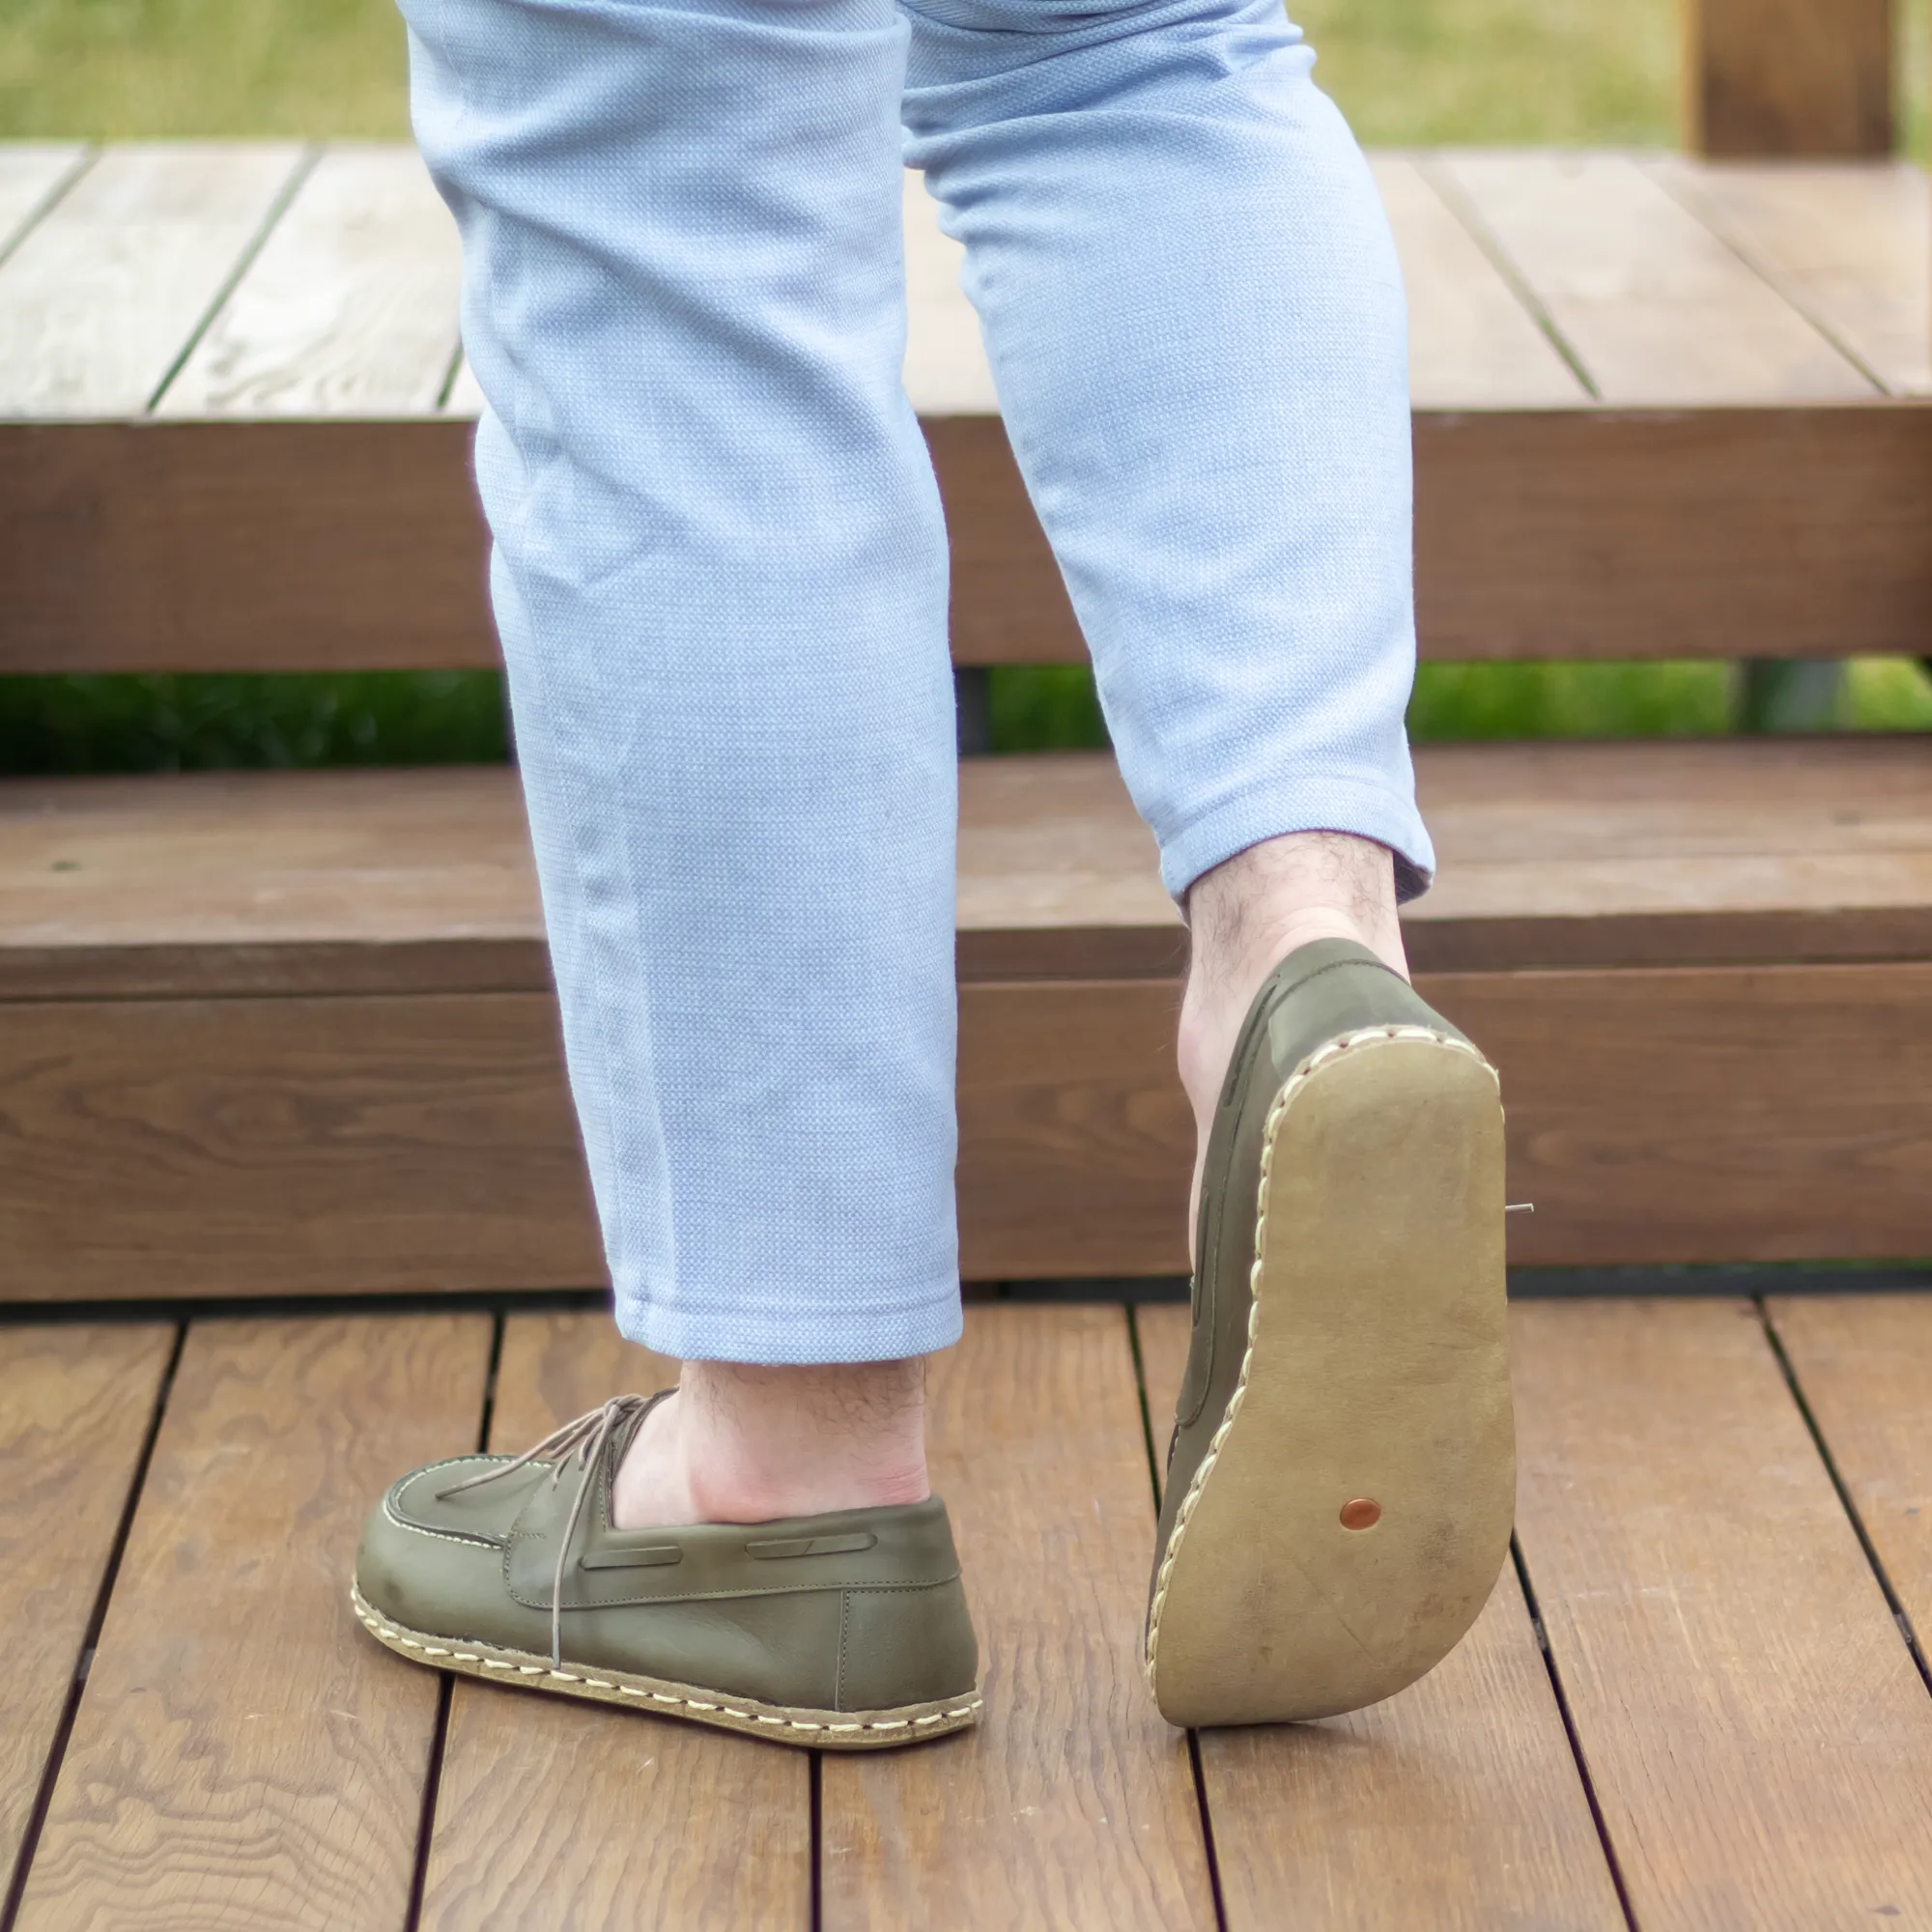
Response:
column 1773, row 78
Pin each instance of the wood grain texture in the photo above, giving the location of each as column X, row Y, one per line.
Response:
column 1759, row 1741
column 103, row 296
column 1686, row 853
column 1456, row 1804
column 319, row 1146
column 1473, row 343
column 245, row 1755
column 1715, row 532
column 74, row 1408
column 251, row 1146
column 226, row 546
column 554, row 1813
column 1667, row 1114
column 1076, row 1138
column 1654, row 307
column 1009, row 604
column 1844, row 242
column 30, row 173
column 1793, row 78
column 349, row 309
column 1863, row 1363
column 220, row 546
column 1762, row 530
column 1689, row 853
column 1072, row 1804
column 239, row 882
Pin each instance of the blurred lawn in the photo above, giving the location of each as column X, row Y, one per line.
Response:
column 1406, row 71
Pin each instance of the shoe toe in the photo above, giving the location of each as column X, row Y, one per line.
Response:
column 432, row 1561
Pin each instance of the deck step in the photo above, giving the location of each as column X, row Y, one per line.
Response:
column 1663, row 409
column 294, row 1033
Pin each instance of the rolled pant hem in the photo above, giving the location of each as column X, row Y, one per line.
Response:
column 840, row 1331
column 1317, row 804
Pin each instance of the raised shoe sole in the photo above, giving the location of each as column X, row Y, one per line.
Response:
column 1354, row 1509
column 781, row 1723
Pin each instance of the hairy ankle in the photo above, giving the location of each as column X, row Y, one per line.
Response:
column 740, row 1443
column 1248, row 915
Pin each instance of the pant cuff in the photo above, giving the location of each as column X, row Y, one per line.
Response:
column 1309, row 805
column 786, row 1337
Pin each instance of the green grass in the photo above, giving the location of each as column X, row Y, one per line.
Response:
column 206, row 722
column 174, row 70
column 1574, row 72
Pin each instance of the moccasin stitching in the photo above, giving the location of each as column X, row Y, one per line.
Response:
column 386, row 1632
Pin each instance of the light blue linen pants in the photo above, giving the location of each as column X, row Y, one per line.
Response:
column 720, row 565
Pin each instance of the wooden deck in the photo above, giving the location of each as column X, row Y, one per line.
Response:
column 1660, row 406
column 293, row 1033
column 1708, row 1711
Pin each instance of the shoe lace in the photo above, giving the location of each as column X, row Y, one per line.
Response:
column 582, row 1441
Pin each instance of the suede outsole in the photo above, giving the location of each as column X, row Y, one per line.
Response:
column 779, row 1723
column 1354, row 1509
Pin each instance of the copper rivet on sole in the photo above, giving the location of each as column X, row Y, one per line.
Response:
column 1361, row 1513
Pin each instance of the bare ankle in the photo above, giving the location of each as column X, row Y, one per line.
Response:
column 1247, row 915
column 743, row 1443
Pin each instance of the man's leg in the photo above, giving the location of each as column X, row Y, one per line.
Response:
column 1245, row 918
column 1193, row 314
column 1195, row 318
column 718, row 573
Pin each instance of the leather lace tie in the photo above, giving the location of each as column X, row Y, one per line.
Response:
column 582, row 1441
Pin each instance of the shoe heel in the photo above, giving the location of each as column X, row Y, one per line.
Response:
column 1353, row 1510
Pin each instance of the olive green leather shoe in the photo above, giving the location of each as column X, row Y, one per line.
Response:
column 1342, row 1477
column 843, row 1631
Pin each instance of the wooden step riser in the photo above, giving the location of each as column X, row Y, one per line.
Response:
column 1538, row 534
column 347, row 1146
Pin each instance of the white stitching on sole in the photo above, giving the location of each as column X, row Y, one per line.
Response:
column 387, row 1633
column 1295, row 1081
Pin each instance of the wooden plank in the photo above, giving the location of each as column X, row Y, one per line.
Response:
column 250, row 1147
column 1471, row 342
column 1864, row 1363
column 1708, row 852
column 1059, row 877
column 1076, row 1138
column 1667, row 1114
column 332, row 1145
column 74, row 1408
column 224, row 545
column 1696, row 852
column 335, row 546
column 245, row 1755
column 1009, row 603
column 30, row 173
column 1072, row 1804
column 1759, row 1741
column 557, row 1812
column 1844, row 242
column 349, row 309
column 103, row 296
column 1717, row 532
column 1456, row 1804
column 1657, row 309
column 945, row 369
column 239, row 882
column 1787, row 77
